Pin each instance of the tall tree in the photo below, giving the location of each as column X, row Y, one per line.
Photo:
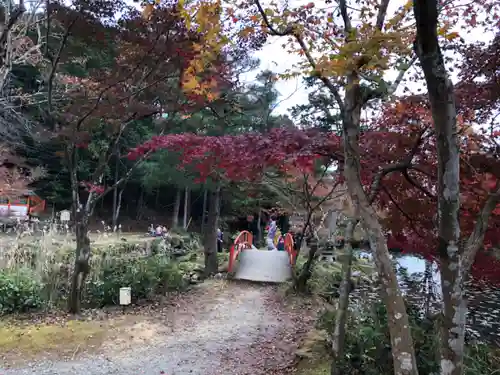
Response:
column 456, row 256
column 18, row 51
column 104, row 76
column 349, row 52
column 353, row 61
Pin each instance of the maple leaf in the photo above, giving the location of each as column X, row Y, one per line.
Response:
column 452, row 36
column 147, row 11
column 190, row 83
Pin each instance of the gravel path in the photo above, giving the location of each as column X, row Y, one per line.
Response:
column 222, row 328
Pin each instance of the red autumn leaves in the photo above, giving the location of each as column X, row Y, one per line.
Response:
column 406, row 196
column 246, row 156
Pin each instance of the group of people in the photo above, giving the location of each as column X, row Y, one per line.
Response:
column 272, row 233
column 159, row 231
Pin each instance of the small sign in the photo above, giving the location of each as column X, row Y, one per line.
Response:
column 65, row 216
column 125, row 296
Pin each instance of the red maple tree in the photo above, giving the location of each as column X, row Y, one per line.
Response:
column 399, row 167
column 246, row 156
column 409, row 198
column 134, row 69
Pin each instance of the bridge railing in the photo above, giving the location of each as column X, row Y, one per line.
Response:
column 243, row 241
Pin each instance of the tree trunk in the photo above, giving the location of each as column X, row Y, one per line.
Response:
column 115, row 194
column 302, row 234
column 82, row 262
column 306, row 271
column 332, row 224
column 140, row 204
column 300, row 282
column 157, row 198
column 338, row 337
column 186, row 208
column 117, row 208
column 204, row 210
column 428, row 288
column 177, row 206
column 442, row 100
column 403, row 352
column 259, row 229
column 211, row 262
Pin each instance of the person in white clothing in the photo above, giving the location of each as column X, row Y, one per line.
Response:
column 271, row 233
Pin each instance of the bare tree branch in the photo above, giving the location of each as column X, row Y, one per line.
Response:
column 382, row 12
column 55, row 60
column 345, row 17
column 292, row 30
column 395, row 167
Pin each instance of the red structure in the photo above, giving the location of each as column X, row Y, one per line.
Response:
column 244, row 241
column 289, row 247
column 22, row 206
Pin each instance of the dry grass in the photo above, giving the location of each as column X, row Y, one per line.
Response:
column 50, row 257
column 314, row 345
column 49, row 247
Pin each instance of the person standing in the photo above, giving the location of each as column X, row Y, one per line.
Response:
column 271, row 233
column 220, row 239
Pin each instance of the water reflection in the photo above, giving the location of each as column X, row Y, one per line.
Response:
column 421, row 282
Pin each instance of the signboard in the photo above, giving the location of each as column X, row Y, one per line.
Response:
column 125, row 296
column 13, row 211
column 65, row 216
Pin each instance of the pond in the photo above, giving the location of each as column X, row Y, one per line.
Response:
column 421, row 282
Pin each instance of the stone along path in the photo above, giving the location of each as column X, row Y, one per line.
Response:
column 220, row 328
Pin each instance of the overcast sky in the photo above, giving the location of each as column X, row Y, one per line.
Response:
column 273, row 57
column 276, row 59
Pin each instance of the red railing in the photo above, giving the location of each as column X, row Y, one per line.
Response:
column 33, row 203
column 289, row 247
column 243, row 241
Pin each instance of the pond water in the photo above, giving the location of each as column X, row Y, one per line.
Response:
column 421, row 282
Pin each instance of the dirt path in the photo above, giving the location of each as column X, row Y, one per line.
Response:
column 221, row 328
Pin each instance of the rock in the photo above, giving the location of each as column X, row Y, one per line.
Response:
column 176, row 242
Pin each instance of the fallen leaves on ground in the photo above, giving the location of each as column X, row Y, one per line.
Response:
column 213, row 311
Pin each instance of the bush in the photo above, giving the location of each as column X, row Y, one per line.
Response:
column 20, row 291
column 146, row 276
column 368, row 348
column 39, row 274
column 326, row 277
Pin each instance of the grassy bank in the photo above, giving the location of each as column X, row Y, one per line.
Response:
column 35, row 275
column 367, row 342
column 33, row 340
column 313, row 368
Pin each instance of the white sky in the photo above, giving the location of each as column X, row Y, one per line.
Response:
column 276, row 59
column 292, row 92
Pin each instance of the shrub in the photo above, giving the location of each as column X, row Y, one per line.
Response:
column 146, row 276
column 368, row 348
column 46, row 268
column 326, row 277
column 20, row 291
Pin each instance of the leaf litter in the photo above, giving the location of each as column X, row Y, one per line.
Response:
column 219, row 327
